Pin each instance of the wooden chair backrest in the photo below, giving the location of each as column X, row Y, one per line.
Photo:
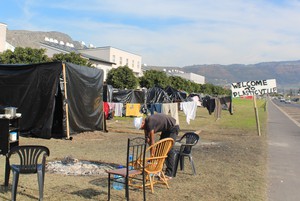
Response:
column 161, row 148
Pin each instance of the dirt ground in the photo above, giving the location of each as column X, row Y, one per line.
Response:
column 230, row 165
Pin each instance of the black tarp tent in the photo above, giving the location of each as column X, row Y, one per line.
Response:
column 157, row 95
column 48, row 110
column 175, row 95
column 128, row 96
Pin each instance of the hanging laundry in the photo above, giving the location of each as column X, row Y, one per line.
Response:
column 209, row 103
column 189, row 109
column 155, row 107
column 226, row 103
column 118, row 109
column 133, row 109
column 171, row 109
column 218, row 108
column 106, row 109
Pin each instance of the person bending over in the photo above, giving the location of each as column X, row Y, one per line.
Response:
column 167, row 126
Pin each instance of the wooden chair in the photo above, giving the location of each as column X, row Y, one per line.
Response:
column 154, row 164
column 32, row 159
column 135, row 163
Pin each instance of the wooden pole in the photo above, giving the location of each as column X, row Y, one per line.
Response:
column 66, row 101
column 256, row 115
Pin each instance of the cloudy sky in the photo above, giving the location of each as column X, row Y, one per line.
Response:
column 170, row 32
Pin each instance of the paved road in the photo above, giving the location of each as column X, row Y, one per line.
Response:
column 284, row 153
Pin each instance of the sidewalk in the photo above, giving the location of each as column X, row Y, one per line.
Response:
column 283, row 156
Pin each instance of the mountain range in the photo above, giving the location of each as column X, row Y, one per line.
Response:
column 286, row 73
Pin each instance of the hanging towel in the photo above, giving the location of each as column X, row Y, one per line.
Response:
column 118, row 109
column 189, row 109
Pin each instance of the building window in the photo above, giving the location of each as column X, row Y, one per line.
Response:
column 121, row 61
column 132, row 63
column 114, row 58
column 138, row 64
column 126, row 62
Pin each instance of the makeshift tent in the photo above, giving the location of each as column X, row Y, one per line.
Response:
column 157, row 95
column 128, row 96
column 107, row 93
column 48, row 110
column 175, row 95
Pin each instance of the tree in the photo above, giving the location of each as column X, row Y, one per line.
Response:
column 122, row 78
column 207, row 89
column 24, row 56
column 153, row 78
column 177, row 82
column 72, row 58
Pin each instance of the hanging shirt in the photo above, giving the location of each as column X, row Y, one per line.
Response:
column 189, row 109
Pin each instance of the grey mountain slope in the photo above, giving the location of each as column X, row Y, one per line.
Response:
column 23, row 38
column 286, row 73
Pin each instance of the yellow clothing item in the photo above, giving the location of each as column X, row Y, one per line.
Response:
column 133, row 109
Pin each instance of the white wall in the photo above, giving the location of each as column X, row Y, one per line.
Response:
column 115, row 55
column 3, row 28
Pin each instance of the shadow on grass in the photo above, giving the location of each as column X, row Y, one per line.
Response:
column 3, row 190
column 20, row 191
column 102, row 182
column 88, row 193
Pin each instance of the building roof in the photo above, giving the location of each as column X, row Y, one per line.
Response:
column 108, row 47
column 68, row 49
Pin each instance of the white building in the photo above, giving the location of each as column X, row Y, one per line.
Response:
column 199, row 79
column 3, row 44
column 61, row 47
column 118, row 57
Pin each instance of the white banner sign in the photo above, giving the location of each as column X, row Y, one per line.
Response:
column 258, row 87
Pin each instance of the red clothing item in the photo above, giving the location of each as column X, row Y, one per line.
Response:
column 106, row 109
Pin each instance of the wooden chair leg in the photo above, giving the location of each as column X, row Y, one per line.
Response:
column 127, row 188
column 108, row 192
column 151, row 183
column 7, row 172
column 144, row 187
column 164, row 179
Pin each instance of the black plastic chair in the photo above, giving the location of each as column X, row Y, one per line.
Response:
column 135, row 166
column 187, row 141
column 32, row 159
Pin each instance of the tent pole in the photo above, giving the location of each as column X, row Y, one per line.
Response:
column 66, row 99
